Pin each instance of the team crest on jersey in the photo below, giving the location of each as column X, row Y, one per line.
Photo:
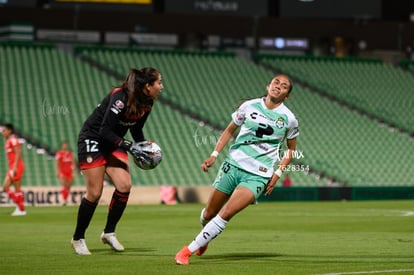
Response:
column 117, row 106
column 280, row 122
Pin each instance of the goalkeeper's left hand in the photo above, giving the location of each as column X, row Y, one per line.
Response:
column 136, row 150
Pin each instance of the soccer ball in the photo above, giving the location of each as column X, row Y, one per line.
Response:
column 148, row 154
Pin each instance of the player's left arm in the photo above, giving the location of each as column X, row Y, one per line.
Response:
column 288, row 154
column 284, row 162
column 137, row 129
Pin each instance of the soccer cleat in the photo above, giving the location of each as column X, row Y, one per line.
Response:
column 80, row 247
column 110, row 238
column 18, row 212
column 183, row 256
column 201, row 250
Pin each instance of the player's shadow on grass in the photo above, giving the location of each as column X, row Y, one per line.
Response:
column 241, row 256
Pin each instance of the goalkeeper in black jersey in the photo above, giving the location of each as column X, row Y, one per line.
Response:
column 103, row 149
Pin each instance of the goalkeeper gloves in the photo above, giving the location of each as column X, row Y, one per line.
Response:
column 125, row 144
column 136, row 149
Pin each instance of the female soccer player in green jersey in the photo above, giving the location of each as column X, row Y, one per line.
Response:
column 247, row 172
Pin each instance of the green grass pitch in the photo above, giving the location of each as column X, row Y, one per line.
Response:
column 364, row 237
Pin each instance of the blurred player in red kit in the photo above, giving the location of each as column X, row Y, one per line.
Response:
column 65, row 166
column 16, row 168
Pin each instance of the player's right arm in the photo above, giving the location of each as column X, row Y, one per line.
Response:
column 225, row 137
column 238, row 118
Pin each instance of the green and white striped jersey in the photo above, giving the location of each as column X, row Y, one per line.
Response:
column 262, row 132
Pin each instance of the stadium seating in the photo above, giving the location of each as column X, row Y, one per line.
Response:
column 407, row 64
column 50, row 94
column 338, row 144
column 347, row 146
column 336, row 128
column 371, row 148
column 195, row 82
column 378, row 89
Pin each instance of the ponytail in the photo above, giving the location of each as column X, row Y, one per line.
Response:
column 134, row 86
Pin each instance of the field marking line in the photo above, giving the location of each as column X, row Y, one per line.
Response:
column 408, row 213
column 369, row 272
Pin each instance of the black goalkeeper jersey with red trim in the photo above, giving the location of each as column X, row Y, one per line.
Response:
column 108, row 123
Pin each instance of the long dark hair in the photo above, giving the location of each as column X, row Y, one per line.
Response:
column 134, row 86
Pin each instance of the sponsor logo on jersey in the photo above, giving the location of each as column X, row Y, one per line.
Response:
column 263, row 146
column 263, row 169
column 126, row 123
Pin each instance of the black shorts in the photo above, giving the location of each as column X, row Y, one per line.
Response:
column 91, row 154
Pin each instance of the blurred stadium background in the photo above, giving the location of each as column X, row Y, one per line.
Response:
column 351, row 62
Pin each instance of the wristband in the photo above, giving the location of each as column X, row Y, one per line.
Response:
column 278, row 172
column 214, row 154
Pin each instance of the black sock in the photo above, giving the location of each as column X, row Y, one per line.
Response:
column 85, row 213
column 116, row 209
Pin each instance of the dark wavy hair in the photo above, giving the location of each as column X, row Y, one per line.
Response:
column 134, row 86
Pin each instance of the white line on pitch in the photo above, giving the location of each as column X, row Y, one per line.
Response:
column 369, row 272
column 408, row 213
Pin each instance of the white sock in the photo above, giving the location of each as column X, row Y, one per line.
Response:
column 209, row 232
column 203, row 221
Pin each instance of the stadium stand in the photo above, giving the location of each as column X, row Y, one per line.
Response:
column 377, row 89
column 339, row 145
column 347, row 146
column 50, row 96
column 196, row 82
column 50, row 92
column 407, row 65
column 353, row 147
